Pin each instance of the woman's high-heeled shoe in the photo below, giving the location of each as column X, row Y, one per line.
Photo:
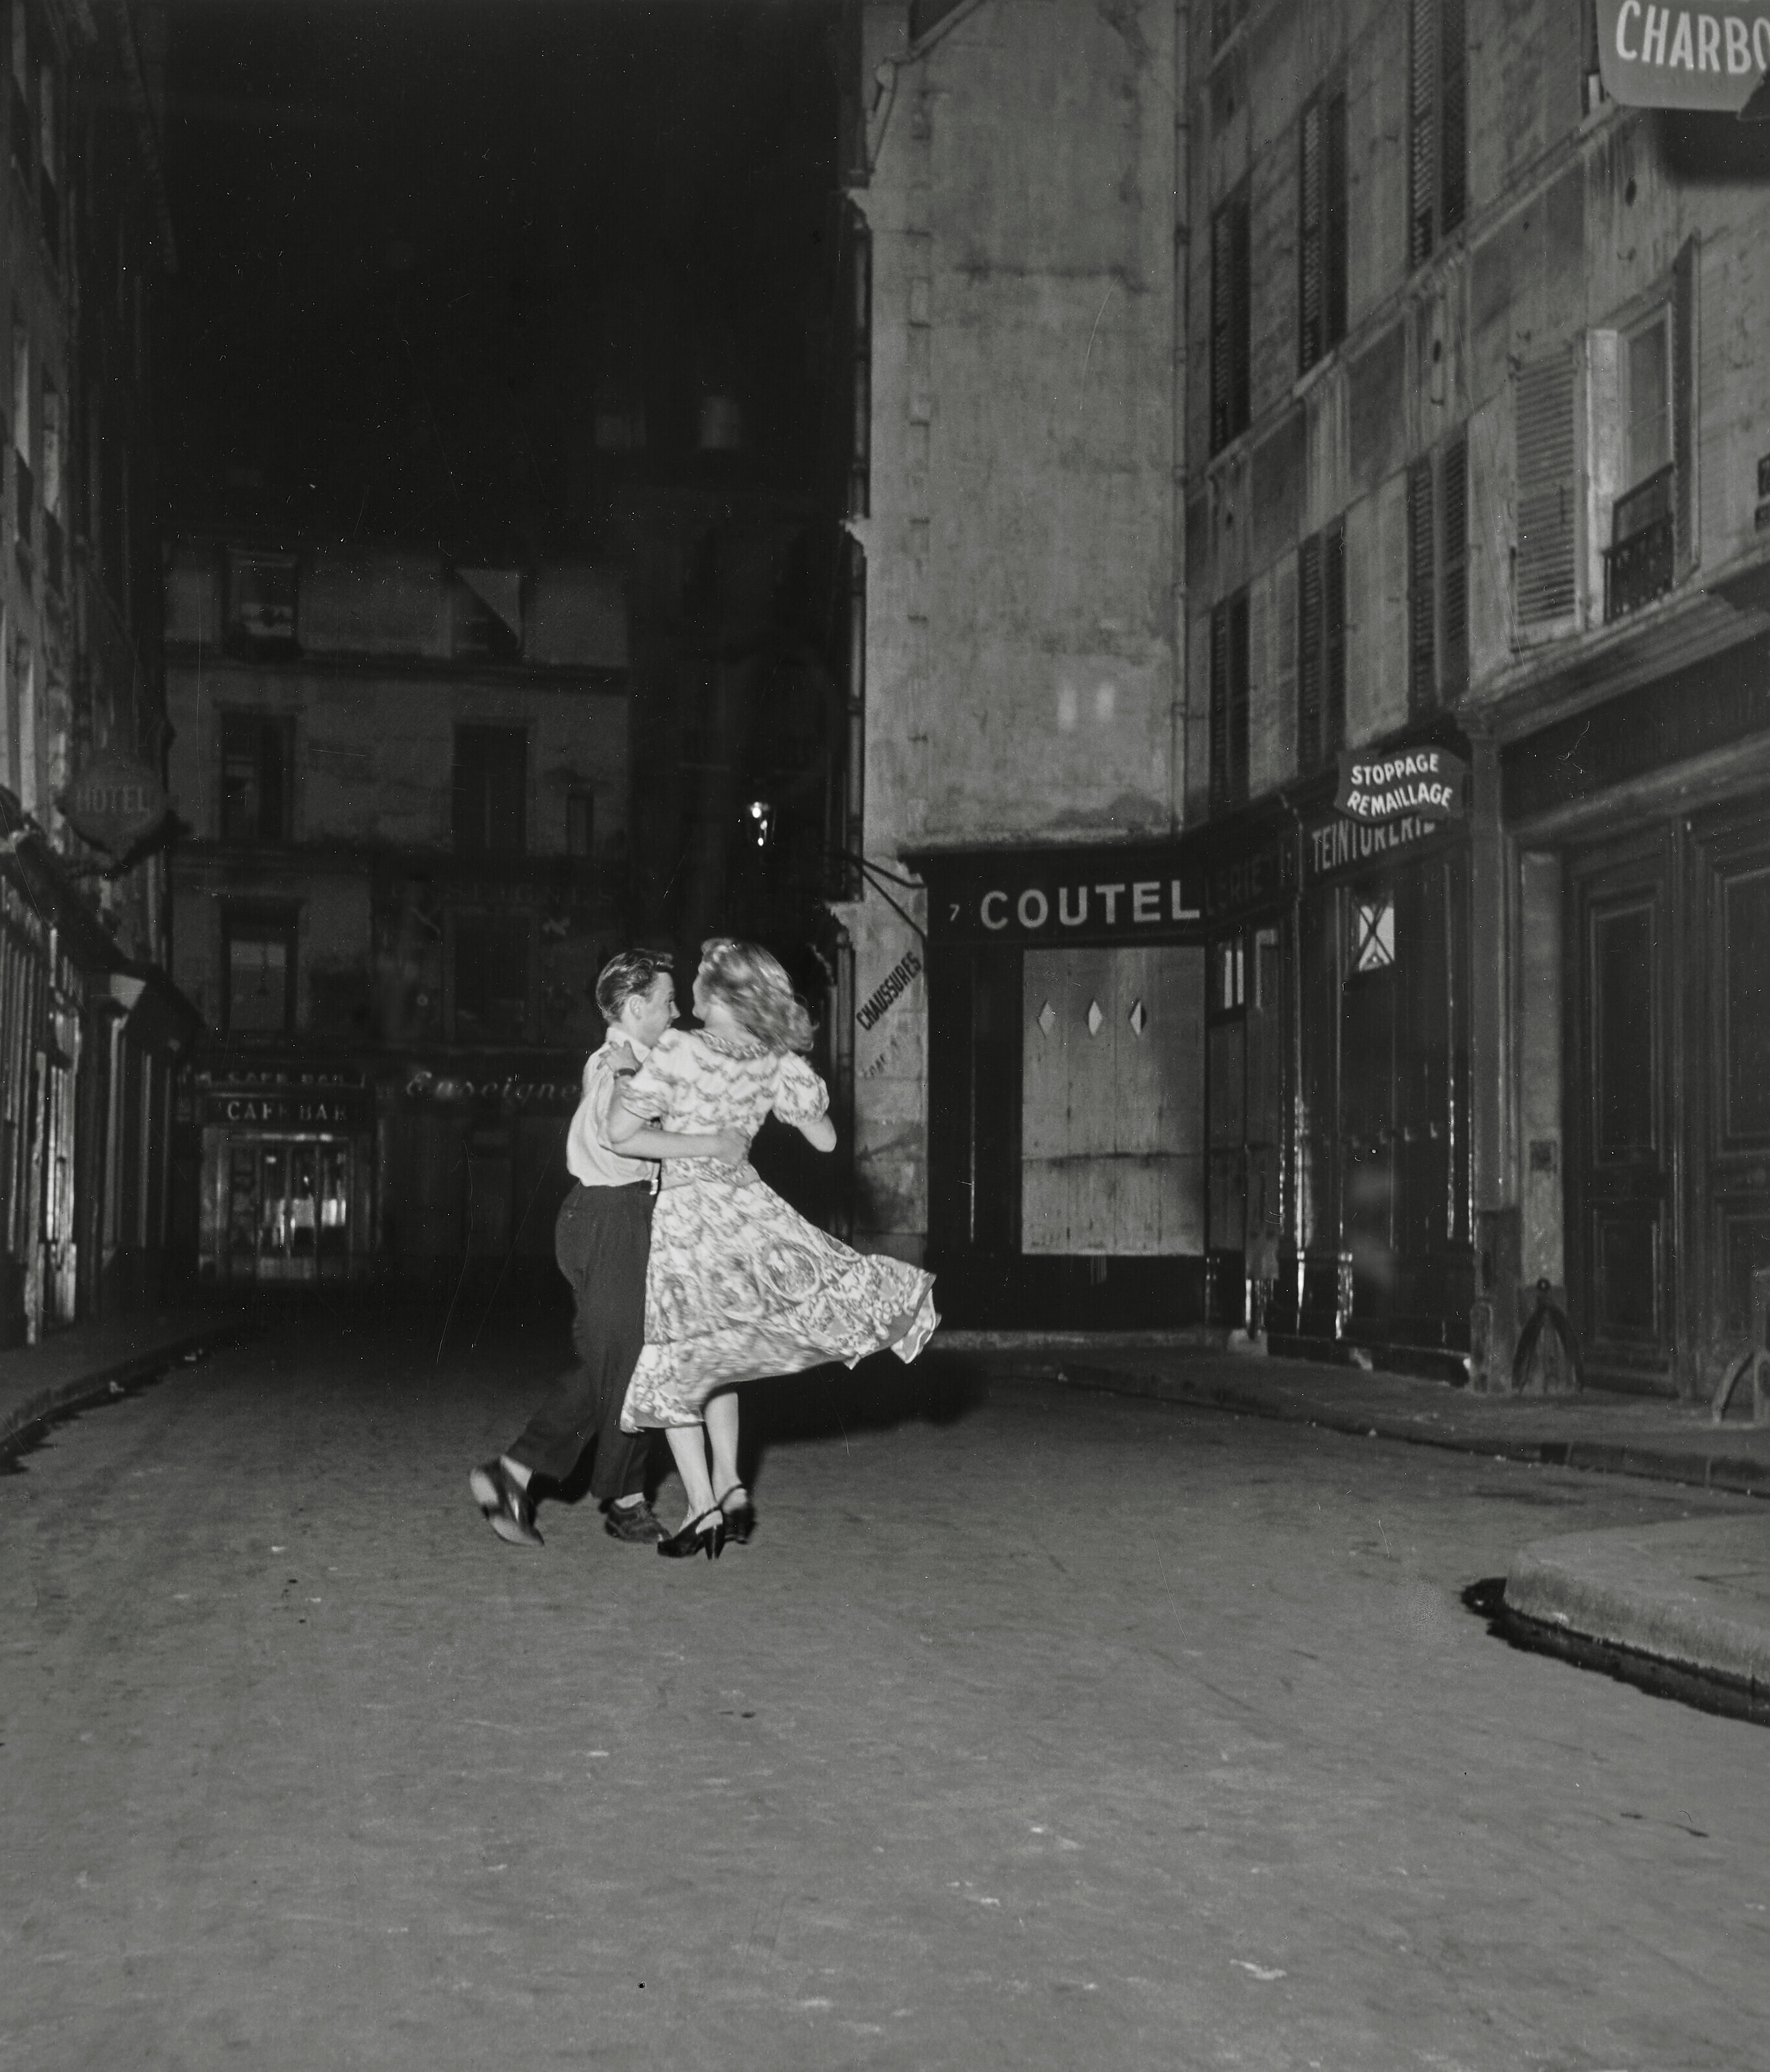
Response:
column 704, row 1535
column 740, row 1518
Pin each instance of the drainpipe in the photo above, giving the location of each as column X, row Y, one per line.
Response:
column 1183, row 138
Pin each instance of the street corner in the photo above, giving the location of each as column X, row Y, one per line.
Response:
column 1692, row 1598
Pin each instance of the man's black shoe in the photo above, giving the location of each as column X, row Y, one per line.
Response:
column 635, row 1522
column 509, row 1509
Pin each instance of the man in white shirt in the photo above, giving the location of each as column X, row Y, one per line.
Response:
column 602, row 1240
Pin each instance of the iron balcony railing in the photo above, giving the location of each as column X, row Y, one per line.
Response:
column 1641, row 561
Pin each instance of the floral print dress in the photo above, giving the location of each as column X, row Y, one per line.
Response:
column 740, row 1286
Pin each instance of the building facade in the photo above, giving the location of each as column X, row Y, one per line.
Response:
column 404, row 787
column 91, row 1030
column 1456, row 923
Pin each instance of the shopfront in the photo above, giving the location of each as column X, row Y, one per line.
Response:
column 1376, row 1252
column 286, row 1177
column 1640, row 839
column 1103, row 1117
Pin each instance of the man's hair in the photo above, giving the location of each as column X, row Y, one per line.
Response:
column 632, row 971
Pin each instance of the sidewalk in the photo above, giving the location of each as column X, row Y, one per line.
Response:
column 1682, row 1608
column 88, row 1363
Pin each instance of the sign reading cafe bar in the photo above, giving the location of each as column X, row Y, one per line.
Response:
column 1708, row 58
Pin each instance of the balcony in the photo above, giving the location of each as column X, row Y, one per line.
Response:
column 1640, row 561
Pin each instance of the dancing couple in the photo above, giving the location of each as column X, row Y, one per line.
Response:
column 688, row 1275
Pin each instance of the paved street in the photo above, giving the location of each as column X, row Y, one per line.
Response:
column 1035, row 1729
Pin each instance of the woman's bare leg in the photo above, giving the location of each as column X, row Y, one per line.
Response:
column 688, row 1447
column 721, row 1412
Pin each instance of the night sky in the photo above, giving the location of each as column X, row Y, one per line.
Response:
column 416, row 241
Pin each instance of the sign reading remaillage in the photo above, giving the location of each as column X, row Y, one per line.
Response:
column 1423, row 783
column 1707, row 58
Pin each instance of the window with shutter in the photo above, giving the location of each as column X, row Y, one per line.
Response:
column 1321, row 248
column 1543, row 567
column 1438, row 123
column 1229, row 702
column 1321, row 646
column 1683, row 363
column 1309, row 654
column 1231, row 306
column 1453, row 500
column 1421, row 594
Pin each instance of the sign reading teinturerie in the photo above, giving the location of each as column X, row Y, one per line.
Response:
column 1706, row 58
column 1423, row 783
column 114, row 801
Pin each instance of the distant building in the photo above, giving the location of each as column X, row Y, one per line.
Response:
column 1321, row 688
column 404, row 785
column 90, row 1028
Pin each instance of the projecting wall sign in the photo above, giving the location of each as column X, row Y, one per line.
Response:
column 114, row 801
column 1423, row 783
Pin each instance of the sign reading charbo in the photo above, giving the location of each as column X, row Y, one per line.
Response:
column 1706, row 58
column 114, row 801
column 1421, row 782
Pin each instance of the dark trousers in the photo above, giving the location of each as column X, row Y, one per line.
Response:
column 602, row 1241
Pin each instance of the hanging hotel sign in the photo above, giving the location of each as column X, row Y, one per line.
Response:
column 1425, row 784
column 1703, row 58
column 114, row 801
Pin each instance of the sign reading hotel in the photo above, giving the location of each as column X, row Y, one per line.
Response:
column 114, row 801
column 1704, row 58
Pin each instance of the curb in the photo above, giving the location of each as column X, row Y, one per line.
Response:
column 1735, row 1475
column 101, row 1384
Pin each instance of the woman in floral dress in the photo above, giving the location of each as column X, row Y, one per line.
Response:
column 740, row 1286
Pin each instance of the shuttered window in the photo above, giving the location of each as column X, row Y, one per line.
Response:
column 1321, row 646
column 1321, row 284
column 1231, row 388
column 1421, row 589
column 1454, row 620
column 1229, row 702
column 1438, row 124
column 1684, row 360
column 1543, row 569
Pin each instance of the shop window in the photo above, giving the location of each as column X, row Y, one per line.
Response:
column 1321, row 646
column 1437, row 124
column 1321, row 256
column 490, row 790
column 259, row 953
column 580, row 824
column 1229, row 976
column 1229, row 703
column 490, row 959
column 1374, row 931
column 255, row 764
column 1231, row 320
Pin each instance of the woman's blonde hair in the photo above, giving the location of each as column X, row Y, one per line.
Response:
column 755, row 988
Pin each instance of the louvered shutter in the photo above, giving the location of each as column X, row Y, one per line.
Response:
column 1310, row 342
column 1222, row 301
column 1453, row 115
column 1333, row 612
column 1543, row 432
column 1237, row 716
column 1309, row 653
column 1220, row 706
column 1333, row 221
column 1422, row 596
column 1454, row 495
column 1422, row 127
column 1684, row 405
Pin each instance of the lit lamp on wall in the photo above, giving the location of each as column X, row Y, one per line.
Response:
column 759, row 821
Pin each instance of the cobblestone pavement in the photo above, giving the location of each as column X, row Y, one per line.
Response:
column 1034, row 1729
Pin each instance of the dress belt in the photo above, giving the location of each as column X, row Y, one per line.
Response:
column 684, row 1172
